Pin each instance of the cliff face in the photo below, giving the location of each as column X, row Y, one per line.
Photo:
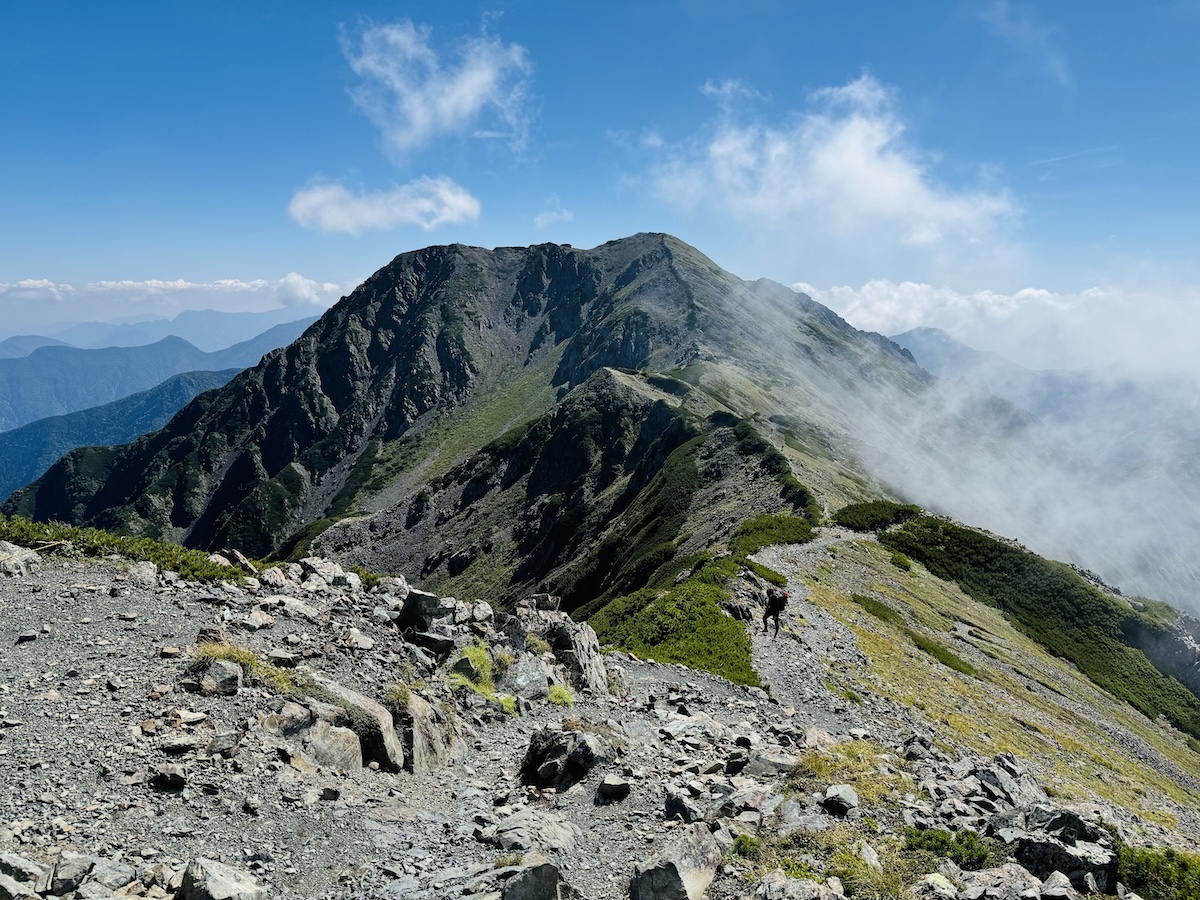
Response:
column 442, row 352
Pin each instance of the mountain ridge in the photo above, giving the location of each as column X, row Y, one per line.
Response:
column 26, row 452
column 55, row 380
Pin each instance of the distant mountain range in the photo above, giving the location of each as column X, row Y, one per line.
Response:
column 23, row 344
column 207, row 329
column 26, row 452
column 55, row 380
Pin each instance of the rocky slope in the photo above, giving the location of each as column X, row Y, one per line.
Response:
column 298, row 735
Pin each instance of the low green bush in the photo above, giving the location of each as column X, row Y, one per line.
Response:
column 879, row 609
column 560, row 696
column 941, row 654
column 68, row 540
column 875, row 515
column 966, row 849
column 763, row 531
column 685, row 624
column 1159, row 874
column 746, row 846
column 1057, row 608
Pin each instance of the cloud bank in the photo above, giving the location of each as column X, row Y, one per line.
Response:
column 840, row 169
column 1138, row 330
column 40, row 305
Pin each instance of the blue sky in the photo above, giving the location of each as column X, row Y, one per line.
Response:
column 1021, row 174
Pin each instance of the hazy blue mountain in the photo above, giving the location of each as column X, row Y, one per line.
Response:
column 55, row 380
column 23, row 344
column 206, row 329
column 26, row 452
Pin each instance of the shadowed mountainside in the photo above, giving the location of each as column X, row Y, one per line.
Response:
column 26, row 452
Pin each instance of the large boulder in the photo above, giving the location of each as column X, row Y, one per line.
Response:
column 422, row 610
column 371, row 722
column 527, row 677
column 333, row 747
column 559, row 759
column 683, row 871
column 17, row 561
column 531, row 828
column 539, row 882
column 431, row 741
column 576, row 646
column 207, row 879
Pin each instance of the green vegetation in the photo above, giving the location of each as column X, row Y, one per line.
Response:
column 763, row 531
column 68, row 540
column 875, row 515
column 684, row 624
column 966, row 849
column 560, row 696
column 484, row 682
column 1058, row 609
column 901, row 562
column 536, row 644
column 397, row 698
column 751, row 443
column 746, row 846
column 278, row 680
column 941, row 654
column 683, row 621
column 856, row 763
column 925, row 644
column 879, row 610
column 1159, row 874
column 629, row 558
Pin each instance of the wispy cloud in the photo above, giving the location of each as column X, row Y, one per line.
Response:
column 292, row 289
column 413, row 93
column 842, row 166
column 426, row 202
column 1026, row 35
column 553, row 214
column 41, row 303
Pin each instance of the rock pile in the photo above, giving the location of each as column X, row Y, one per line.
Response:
column 301, row 734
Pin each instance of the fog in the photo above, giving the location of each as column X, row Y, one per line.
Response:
column 1099, row 467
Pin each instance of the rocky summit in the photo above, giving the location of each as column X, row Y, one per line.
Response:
column 297, row 733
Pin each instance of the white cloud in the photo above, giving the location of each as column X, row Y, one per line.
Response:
column 1028, row 37
column 1108, row 326
column 553, row 214
column 426, row 202
column 35, row 288
column 841, row 168
column 44, row 305
column 412, row 95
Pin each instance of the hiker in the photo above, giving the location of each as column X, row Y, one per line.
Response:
column 776, row 602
